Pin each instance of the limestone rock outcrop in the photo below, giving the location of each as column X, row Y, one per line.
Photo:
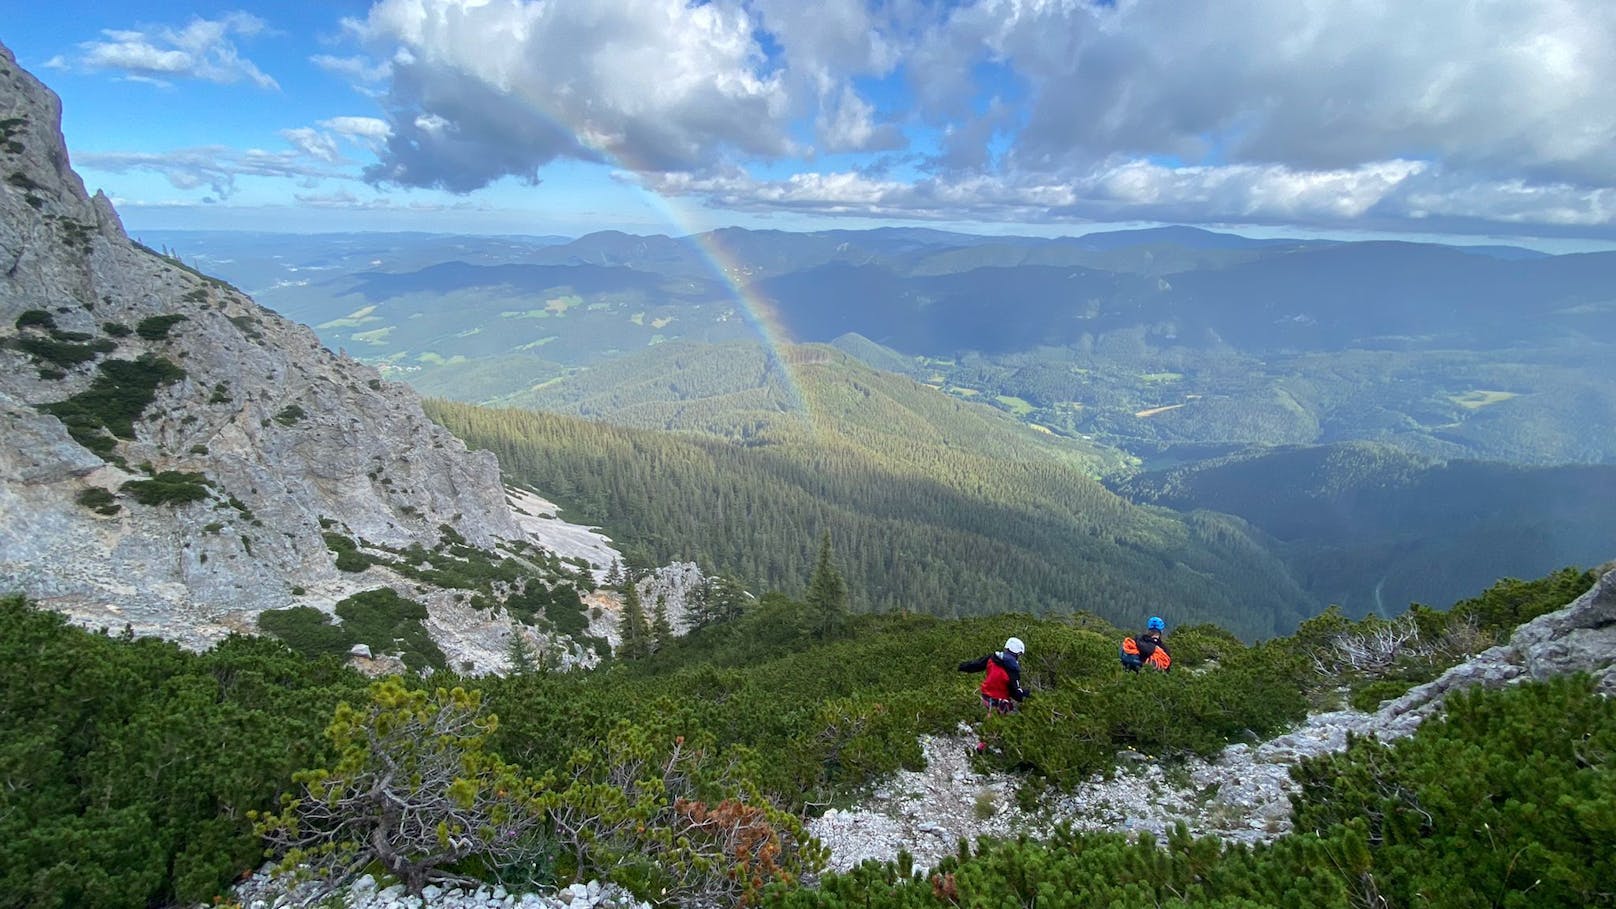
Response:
column 1242, row 795
column 120, row 365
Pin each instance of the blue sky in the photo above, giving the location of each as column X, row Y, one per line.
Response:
column 1480, row 121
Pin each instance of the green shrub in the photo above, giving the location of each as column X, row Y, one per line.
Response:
column 66, row 354
column 130, row 765
column 462, row 802
column 116, row 329
column 98, row 500
column 391, row 624
column 170, row 487
column 290, row 415
column 155, row 328
column 349, row 558
column 114, row 401
column 1510, row 799
column 36, row 318
column 308, row 631
column 1512, row 602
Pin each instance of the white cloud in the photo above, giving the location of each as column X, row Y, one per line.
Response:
column 367, row 128
column 1386, row 193
column 202, row 49
column 359, row 69
column 317, row 145
column 215, row 167
column 1523, row 88
column 1315, row 112
column 1245, row 111
column 343, row 199
column 851, row 126
column 503, row 87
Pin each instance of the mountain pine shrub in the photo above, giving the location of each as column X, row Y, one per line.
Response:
column 412, row 788
column 106, row 411
column 156, row 328
column 130, row 764
column 169, row 487
column 388, row 623
column 1379, row 659
column 1507, row 800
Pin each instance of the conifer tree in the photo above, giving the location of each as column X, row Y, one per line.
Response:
column 520, row 653
column 614, row 575
column 661, row 628
column 635, row 630
column 720, row 598
column 827, row 594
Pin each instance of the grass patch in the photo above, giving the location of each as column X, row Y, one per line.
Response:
column 1017, row 406
column 1477, row 398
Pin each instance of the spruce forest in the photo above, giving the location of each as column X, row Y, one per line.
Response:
column 936, row 506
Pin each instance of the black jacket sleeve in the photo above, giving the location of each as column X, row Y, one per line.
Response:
column 975, row 665
column 1013, row 668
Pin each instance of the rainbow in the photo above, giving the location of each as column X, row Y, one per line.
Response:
column 758, row 312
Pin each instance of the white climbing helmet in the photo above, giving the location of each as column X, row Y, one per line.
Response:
column 1015, row 646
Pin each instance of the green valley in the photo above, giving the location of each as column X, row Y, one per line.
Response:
column 934, row 505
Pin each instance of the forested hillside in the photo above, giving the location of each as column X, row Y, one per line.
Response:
column 934, row 505
column 1373, row 528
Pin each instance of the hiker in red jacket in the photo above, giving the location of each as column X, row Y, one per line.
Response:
column 1001, row 685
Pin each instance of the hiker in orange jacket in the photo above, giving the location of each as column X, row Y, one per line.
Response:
column 1147, row 648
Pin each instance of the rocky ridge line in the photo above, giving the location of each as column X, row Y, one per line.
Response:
column 1242, row 795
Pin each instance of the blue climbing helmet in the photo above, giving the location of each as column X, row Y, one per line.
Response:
column 1156, row 624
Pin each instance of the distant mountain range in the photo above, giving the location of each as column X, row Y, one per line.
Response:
column 1161, row 342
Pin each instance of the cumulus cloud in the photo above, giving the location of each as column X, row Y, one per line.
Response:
column 1258, row 111
column 1526, row 88
column 202, row 49
column 503, row 87
column 849, row 124
column 322, row 141
column 1236, row 111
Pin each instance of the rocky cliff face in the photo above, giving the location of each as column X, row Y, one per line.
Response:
column 120, row 367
